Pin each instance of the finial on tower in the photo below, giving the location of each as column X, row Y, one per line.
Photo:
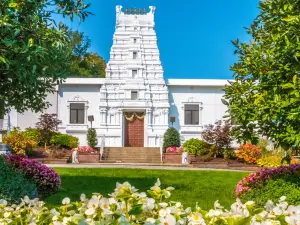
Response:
column 152, row 9
column 126, row 11
column 130, row 10
column 119, row 9
column 145, row 12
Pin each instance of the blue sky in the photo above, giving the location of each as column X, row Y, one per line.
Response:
column 193, row 35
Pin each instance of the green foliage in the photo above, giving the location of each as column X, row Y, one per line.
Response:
column 229, row 153
column 171, row 138
column 84, row 63
column 34, row 52
column 197, row 147
column 13, row 184
column 64, row 140
column 218, row 134
column 92, row 137
column 33, row 134
column 264, row 98
column 47, row 126
column 273, row 189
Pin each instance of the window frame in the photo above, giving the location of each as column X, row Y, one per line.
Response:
column 137, row 95
column 134, row 55
column 192, row 112
column 77, row 113
column 132, row 74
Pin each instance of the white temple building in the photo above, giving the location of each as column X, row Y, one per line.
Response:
column 133, row 105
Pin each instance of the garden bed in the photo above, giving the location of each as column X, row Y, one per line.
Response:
column 88, row 157
column 172, row 158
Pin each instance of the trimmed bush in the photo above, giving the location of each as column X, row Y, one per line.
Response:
column 171, row 138
column 45, row 178
column 92, row 137
column 64, row 140
column 13, row 184
column 274, row 189
column 197, row 147
column 271, row 183
column 20, row 144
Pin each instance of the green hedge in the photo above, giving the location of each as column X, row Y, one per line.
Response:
column 197, row 147
column 64, row 140
column 92, row 137
column 171, row 138
column 273, row 189
column 13, row 184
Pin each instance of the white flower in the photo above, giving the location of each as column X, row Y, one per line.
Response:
column 277, row 211
column 162, row 212
column 157, row 183
column 93, row 202
column 163, row 204
column 26, row 200
column 66, row 201
column 214, row 213
column 150, row 204
column 82, row 197
column 3, row 202
column 89, row 211
column 269, row 206
column 150, row 221
column 168, row 220
column 293, row 210
column 54, row 212
column 282, row 198
column 217, row 205
column 196, row 218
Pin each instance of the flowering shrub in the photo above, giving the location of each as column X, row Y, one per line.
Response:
column 84, row 149
column 271, row 182
column 248, row 153
column 126, row 206
column 269, row 161
column 46, row 179
column 171, row 138
column 174, row 150
column 19, row 143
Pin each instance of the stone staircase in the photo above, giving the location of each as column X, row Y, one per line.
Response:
column 131, row 155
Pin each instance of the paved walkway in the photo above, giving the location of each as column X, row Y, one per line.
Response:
column 138, row 166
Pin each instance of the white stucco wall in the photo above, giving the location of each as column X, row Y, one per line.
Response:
column 78, row 93
column 211, row 109
column 29, row 118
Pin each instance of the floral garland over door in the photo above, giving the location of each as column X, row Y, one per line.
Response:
column 129, row 116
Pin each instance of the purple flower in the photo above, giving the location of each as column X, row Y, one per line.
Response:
column 47, row 180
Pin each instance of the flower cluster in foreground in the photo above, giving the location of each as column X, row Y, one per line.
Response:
column 259, row 177
column 126, row 206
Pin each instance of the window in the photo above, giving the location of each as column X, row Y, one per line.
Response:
column 77, row 113
column 134, row 95
column 134, row 55
column 191, row 114
column 134, row 73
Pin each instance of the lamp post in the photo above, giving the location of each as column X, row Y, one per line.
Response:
column 172, row 120
column 91, row 119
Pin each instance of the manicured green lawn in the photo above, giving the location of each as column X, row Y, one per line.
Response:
column 203, row 187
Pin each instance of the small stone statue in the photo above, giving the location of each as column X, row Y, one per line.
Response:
column 134, row 11
column 145, row 12
column 140, row 12
column 75, row 156
column 130, row 10
column 184, row 158
column 126, row 11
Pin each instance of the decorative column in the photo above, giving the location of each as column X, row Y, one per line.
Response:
column 149, row 116
column 165, row 115
column 103, row 115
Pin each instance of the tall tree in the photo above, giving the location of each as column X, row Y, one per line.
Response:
column 84, row 63
column 264, row 98
column 32, row 50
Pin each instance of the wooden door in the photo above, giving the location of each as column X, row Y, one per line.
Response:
column 134, row 133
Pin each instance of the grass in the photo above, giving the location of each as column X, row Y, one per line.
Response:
column 203, row 187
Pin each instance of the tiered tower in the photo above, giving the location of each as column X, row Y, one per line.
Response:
column 134, row 81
